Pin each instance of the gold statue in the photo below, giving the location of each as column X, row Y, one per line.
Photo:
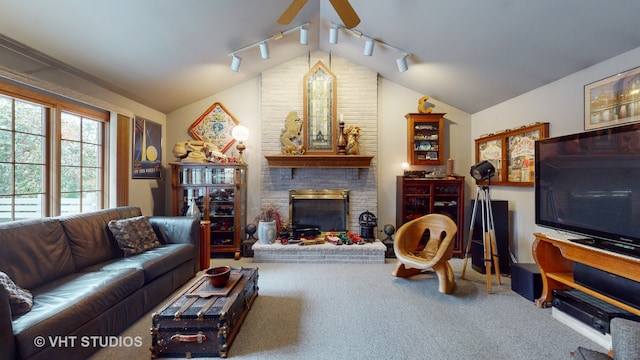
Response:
column 290, row 137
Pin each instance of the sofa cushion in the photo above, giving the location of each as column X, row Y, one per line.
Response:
column 134, row 235
column 155, row 262
column 20, row 299
column 70, row 302
column 90, row 239
column 34, row 252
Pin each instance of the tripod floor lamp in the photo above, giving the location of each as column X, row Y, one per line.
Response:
column 482, row 171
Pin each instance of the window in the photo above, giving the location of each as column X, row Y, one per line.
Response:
column 22, row 159
column 52, row 156
column 81, row 164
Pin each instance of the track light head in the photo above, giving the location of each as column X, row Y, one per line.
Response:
column 402, row 63
column 264, row 50
column 333, row 35
column 368, row 47
column 304, row 36
column 235, row 62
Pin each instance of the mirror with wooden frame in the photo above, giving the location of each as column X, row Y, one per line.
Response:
column 320, row 123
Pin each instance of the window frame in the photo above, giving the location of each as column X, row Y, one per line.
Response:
column 54, row 107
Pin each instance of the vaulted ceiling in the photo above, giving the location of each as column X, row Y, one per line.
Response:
column 169, row 53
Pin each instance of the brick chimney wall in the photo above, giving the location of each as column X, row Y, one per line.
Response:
column 357, row 99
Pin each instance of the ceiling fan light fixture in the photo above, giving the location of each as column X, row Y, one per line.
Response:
column 333, row 35
column 264, row 50
column 304, row 36
column 235, row 62
column 368, row 47
column 402, row 63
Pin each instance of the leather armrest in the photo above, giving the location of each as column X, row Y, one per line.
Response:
column 7, row 340
column 178, row 230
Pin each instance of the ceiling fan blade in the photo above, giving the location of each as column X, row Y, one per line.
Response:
column 291, row 12
column 346, row 13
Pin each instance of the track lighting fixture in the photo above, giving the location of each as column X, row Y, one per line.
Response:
column 369, row 45
column 333, row 35
column 264, row 50
column 235, row 62
column 402, row 63
column 264, row 47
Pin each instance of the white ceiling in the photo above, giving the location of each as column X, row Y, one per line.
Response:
column 169, row 53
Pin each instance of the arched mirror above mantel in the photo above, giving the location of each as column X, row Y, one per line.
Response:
column 319, row 124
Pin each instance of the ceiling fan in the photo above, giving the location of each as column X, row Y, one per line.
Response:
column 342, row 7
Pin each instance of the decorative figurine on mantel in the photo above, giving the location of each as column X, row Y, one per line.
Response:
column 352, row 133
column 290, row 137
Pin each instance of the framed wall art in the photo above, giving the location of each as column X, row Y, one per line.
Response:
column 215, row 126
column 147, row 149
column 612, row 101
column 512, row 153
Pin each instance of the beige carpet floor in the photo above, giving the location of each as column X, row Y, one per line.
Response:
column 360, row 311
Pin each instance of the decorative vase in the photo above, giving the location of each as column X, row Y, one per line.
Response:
column 267, row 232
column 193, row 210
column 180, row 150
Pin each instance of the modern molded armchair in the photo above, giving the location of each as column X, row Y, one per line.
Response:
column 426, row 243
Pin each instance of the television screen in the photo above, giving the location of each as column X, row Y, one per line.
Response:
column 589, row 184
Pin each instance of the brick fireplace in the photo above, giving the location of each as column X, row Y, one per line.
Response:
column 357, row 94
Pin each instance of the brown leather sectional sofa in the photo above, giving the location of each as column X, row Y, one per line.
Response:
column 85, row 291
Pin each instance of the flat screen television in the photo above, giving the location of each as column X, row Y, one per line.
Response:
column 589, row 184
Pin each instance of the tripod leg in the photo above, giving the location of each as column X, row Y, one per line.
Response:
column 471, row 228
column 494, row 246
column 486, row 242
column 494, row 251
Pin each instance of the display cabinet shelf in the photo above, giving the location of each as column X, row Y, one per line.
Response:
column 219, row 191
column 425, row 139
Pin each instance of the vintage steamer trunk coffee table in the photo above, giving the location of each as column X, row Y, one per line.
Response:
column 203, row 320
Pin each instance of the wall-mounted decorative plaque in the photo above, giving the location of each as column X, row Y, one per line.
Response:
column 215, row 126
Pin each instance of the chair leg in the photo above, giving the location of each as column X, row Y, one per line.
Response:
column 402, row 271
column 446, row 279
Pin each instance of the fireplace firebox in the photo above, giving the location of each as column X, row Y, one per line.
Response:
column 324, row 210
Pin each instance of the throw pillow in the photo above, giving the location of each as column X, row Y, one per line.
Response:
column 20, row 299
column 134, row 235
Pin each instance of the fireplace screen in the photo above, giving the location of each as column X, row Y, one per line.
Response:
column 327, row 210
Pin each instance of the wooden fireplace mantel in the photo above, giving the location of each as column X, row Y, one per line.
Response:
column 319, row 161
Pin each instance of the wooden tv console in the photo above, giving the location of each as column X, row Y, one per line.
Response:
column 555, row 257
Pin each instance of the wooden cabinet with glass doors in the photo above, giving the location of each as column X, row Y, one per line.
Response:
column 219, row 191
column 425, row 140
column 416, row 197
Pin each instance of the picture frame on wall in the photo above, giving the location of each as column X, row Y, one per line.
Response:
column 214, row 126
column 147, row 149
column 512, row 153
column 612, row 101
